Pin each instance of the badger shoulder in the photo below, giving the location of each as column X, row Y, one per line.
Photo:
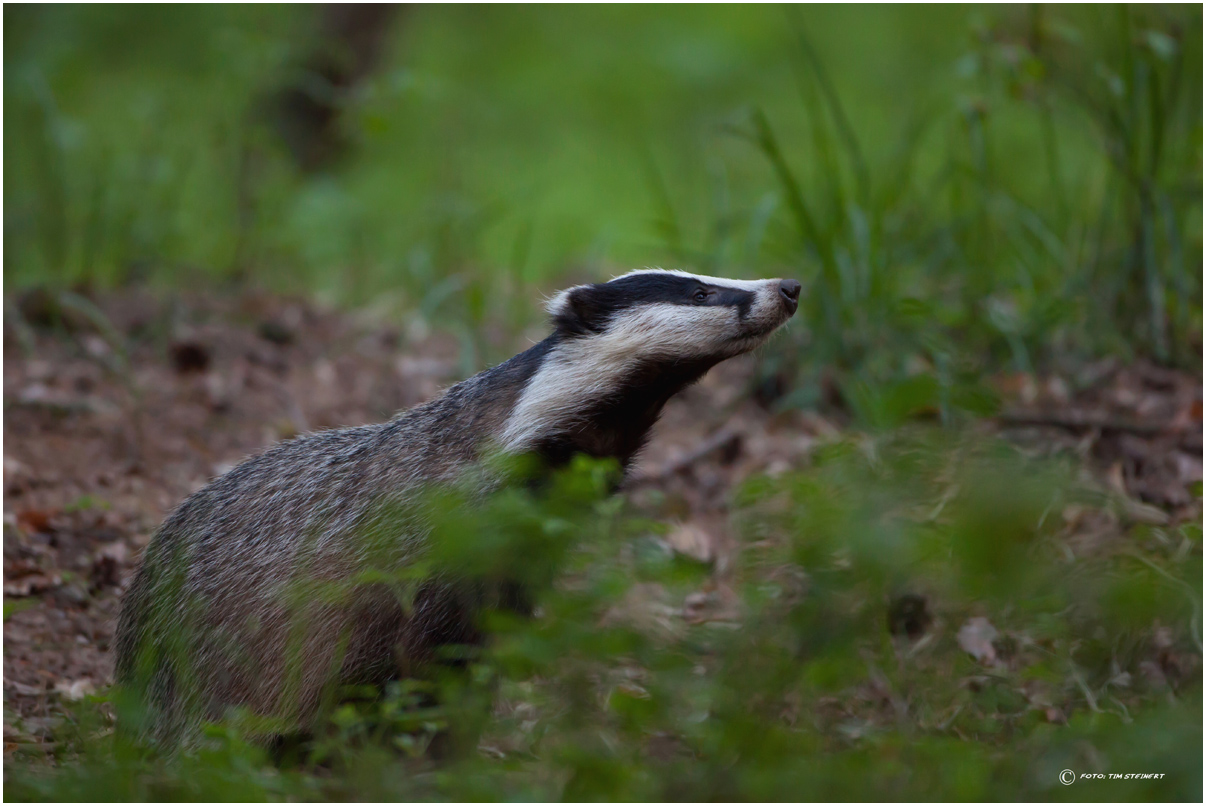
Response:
column 322, row 482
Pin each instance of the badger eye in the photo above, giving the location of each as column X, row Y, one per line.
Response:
column 701, row 296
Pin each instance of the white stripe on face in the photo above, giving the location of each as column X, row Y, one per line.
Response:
column 721, row 282
column 584, row 371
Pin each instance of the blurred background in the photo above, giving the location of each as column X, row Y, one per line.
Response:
column 1026, row 179
column 996, row 213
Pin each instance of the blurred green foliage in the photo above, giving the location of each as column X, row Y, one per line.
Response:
column 806, row 693
column 959, row 188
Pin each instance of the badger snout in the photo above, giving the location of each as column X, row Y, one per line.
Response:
column 789, row 295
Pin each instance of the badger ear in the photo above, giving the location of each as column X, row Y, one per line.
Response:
column 558, row 304
column 575, row 310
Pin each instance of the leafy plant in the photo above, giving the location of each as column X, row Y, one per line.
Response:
column 1016, row 657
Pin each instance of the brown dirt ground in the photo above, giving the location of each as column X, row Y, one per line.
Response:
column 107, row 427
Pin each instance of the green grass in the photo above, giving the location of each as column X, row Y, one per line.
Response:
column 1001, row 185
column 810, row 698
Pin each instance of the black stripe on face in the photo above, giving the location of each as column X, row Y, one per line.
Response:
column 591, row 307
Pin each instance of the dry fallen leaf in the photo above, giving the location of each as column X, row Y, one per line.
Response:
column 1189, row 468
column 29, row 585
column 976, row 637
column 75, row 689
column 22, row 689
column 13, row 468
column 694, row 541
column 117, row 551
column 34, row 520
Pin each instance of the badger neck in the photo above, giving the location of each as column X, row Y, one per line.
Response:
column 583, row 398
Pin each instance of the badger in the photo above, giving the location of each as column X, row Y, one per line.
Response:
column 210, row 621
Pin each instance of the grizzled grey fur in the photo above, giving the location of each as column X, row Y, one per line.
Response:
column 219, row 615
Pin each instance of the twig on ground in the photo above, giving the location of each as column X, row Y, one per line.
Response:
column 719, row 440
column 1079, row 421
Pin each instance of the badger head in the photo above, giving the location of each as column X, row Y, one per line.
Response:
column 620, row 349
column 654, row 315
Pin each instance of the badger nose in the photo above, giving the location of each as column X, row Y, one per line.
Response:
column 789, row 292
